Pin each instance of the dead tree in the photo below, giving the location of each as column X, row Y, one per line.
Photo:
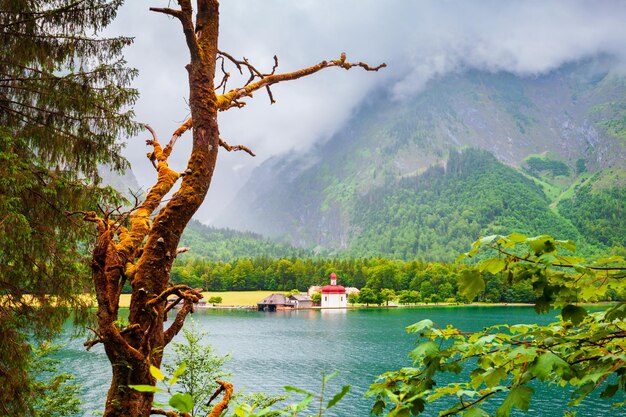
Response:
column 142, row 248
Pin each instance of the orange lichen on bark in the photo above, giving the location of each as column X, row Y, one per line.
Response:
column 130, row 240
column 177, row 133
column 219, row 408
column 142, row 250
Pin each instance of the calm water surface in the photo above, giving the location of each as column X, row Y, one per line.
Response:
column 271, row 350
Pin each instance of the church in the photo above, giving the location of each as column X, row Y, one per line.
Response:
column 333, row 295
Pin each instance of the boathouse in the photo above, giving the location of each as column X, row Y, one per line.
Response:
column 301, row 301
column 275, row 302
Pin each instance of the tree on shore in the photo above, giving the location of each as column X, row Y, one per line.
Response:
column 501, row 367
column 60, row 118
column 140, row 248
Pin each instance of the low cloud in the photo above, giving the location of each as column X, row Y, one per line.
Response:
column 418, row 41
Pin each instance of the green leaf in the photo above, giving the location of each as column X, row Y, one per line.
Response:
column 609, row 391
column 304, row 403
column 400, row 412
column 344, row 390
column 567, row 244
column 493, row 376
column 378, row 407
column 156, row 372
column 517, row 237
column 425, row 349
column 425, row 324
column 588, row 292
column 520, row 328
column 541, row 244
column 180, row 370
column 471, row 284
column 547, row 259
column 493, row 265
column 475, row 412
column 466, row 393
column 571, row 260
column 177, row 373
column 617, row 312
column 487, row 239
column 518, row 397
column 182, row 402
column 573, row 313
column 290, row 388
column 609, row 259
column 547, row 363
column 417, row 406
column 542, row 305
column 330, row 376
column 488, row 338
column 146, row 388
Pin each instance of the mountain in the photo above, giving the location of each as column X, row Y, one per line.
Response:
column 126, row 182
column 555, row 141
column 227, row 245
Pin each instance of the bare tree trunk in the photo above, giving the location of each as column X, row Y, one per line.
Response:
column 141, row 250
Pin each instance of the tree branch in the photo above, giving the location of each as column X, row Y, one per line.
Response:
column 140, row 219
column 230, row 99
column 177, row 133
column 176, row 289
column 236, row 148
column 168, row 413
column 556, row 265
column 468, row 405
column 225, row 100
column 185, row 15
column 191, row 297
column 165, row 10
column 182, row 250
column 115, row 339
column 227, row 387
column 91, row 343
column 171, row 306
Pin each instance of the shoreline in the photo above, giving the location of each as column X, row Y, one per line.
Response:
column 253, row 296
column 377, row 307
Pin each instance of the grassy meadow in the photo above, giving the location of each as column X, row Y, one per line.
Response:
column 229, row 298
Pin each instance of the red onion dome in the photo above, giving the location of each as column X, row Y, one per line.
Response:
column 333, row 289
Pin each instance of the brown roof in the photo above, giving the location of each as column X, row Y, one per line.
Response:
column 300, row 297
column 275, row 299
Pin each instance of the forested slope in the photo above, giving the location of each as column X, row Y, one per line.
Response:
column 433, row 215
column 225, row 245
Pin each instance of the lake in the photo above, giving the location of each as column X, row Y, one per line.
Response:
column 271, row 350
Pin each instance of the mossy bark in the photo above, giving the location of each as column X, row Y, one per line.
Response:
column 144, row 252
column 141, row 249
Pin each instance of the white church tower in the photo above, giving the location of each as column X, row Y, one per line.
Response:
column 333, row 295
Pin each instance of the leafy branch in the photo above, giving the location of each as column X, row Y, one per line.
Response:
column 582, row 350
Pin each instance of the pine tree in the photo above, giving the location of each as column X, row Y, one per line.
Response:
column 63, row 101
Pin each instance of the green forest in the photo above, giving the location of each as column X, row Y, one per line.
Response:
column 431, row 216
column 411, row 281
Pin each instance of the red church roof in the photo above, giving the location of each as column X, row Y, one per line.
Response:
column 333, row 289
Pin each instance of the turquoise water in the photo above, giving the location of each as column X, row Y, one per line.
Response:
column 270, row 350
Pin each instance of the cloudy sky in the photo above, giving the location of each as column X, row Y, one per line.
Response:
column 418, row 40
